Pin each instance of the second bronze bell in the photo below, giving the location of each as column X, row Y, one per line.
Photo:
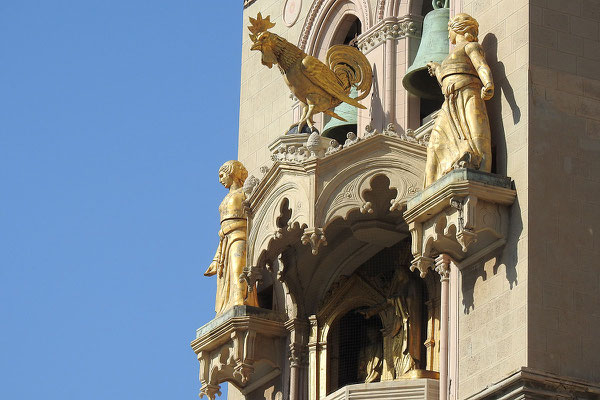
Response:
column 433, row 48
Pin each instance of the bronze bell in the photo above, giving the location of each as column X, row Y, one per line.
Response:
column 337, row 129
column 433, row 47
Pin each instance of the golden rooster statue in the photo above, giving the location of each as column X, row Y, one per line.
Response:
column 317, row 86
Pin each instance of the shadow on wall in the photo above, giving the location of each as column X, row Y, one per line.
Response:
column 494, row 106
column 507, row 256
column 503, row 88
column 376, row 110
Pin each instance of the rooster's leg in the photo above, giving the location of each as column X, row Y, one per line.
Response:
column 302, row 119
column 308, row 119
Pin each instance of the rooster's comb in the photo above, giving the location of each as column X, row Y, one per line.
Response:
column 259, row 25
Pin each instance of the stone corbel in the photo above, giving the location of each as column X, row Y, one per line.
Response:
column 423, row 264
column 464, row 214
column 243, row 354
column 230, row 347
column 467, row 209
column 315, row 237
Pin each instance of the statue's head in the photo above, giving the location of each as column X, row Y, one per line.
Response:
column 465, row 25
column 232, row 171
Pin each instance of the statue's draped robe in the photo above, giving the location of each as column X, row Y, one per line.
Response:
column 406, row 340
column 371, row 360
column 462, row 129
column 231, row 255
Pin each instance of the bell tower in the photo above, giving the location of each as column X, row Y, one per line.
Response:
column 440, row 243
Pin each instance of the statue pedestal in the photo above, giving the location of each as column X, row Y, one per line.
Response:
column 464, row 214
column 418, row 389
column 243, row 346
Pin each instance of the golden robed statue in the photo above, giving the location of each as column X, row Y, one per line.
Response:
column 461, row 134
column 230, row 258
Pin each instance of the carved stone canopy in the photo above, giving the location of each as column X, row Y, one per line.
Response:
column 320, row 187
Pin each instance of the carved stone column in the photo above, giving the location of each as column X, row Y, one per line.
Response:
column 298, row 356
column 313, row 358
column 442, row 267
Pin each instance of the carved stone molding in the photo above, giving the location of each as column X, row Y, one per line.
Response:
column 410, row 136
column 529, row 383
column 317, row 14
column 299, row 148
column 390, row 28
column 231, row 346
column 380, row 9
column 302, row 148
column 442, row 266
column 464, row 214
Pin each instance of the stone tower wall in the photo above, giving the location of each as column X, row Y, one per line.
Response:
column 564, row 190
column 492, row 305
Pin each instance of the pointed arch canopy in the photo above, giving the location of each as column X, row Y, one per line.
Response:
column 319, row 191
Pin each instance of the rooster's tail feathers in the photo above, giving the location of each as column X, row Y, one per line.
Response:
column 352, row 68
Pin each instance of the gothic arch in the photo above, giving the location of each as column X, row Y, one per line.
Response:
column 324, row 18
column 397, row 8
column 265, row 228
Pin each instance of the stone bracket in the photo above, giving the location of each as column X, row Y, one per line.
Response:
column 231, row 345
column 464, row 214
column 315, row 237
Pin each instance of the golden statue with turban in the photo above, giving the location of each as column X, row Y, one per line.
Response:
column 461, row 135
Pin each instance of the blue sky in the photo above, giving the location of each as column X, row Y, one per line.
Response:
column 114, row 118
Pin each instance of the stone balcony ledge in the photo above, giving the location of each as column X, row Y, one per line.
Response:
column 464, row 214
column 417, row 389
column 243, row 346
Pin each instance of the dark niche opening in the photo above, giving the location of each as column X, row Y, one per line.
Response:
column 265, row 297
column 353, row 31
column 356, row 344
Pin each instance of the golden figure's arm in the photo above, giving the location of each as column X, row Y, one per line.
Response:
column 434, row 70
column 475, row 53
column 214, row 265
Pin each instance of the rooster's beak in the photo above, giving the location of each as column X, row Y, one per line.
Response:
column 256, row 46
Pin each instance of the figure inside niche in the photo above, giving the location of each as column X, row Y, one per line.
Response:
column 401, row 314
column 461, row 134
column 230, row 258
column 370, row 359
